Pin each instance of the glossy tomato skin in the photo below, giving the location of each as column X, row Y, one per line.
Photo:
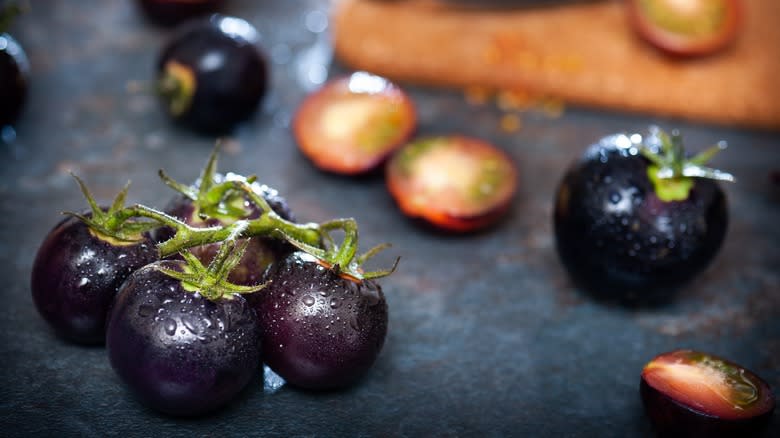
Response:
column 170, row 12
column 261, row 252
column 76, row 275
column 618, row 240
column 179, row 352
column 14, row 79
column 225, row 71
column 320, row 331
column 673, row 419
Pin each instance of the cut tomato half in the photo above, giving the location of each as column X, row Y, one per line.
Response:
column 686, row 27
column 708, row 384
column 352, row 124
column 454, row 183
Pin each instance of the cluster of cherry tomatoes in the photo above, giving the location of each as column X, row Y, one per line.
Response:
column 187, row 330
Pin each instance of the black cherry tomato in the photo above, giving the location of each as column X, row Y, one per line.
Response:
column 179, row 351
column 211, row 75
column 320, row 330
column 76, row 274
column 170, row 12
column 627, row 232
column 14, row 77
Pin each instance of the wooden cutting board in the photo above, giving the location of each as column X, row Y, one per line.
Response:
column 584, row 53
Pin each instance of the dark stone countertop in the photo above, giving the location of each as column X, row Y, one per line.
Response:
column 487, row 334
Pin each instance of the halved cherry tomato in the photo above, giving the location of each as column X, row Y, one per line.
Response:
column 352, row 124
column 454, row 183
column 687, row 27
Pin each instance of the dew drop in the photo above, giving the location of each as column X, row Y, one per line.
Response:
column 614, row 197
column 353, row 322
column 334, row 304
column 191, row 324
column 169, row 326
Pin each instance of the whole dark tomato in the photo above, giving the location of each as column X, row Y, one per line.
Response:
column 320, row 330
column 211, row 74
column 169, row 12
column 180, row 352
column 14, row 79
column 76, row 274
column 687, row 28
column 622, row 231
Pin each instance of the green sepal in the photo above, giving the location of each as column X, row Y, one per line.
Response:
column 110, row 224
column 211, row 282
column 341, row 259
column 672, row 174
column 211, row 198
column 669, row 189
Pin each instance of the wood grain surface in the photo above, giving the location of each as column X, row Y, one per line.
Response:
column 584, row 53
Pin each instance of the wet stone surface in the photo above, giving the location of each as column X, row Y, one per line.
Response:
column 486, row 332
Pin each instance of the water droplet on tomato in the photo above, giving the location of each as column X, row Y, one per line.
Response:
column 191, row 324
column 169, row 325
column 353, row 322
column 334, row 304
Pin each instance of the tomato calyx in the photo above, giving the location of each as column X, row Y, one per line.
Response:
column 103, row 223
column 342, row 258
column 671, row 172
column 177, row 86
column 214, row 195
column 211, row 282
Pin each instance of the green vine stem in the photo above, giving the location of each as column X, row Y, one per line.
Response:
column 187, row 237
column 341, row 258
column 211, row 281
column 214, row 199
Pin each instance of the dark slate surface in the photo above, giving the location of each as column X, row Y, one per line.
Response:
column 487, row 335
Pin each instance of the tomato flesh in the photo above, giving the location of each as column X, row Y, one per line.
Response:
column 706, row 383
column 352, row 124
column 455, row 183
column 686, row 27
